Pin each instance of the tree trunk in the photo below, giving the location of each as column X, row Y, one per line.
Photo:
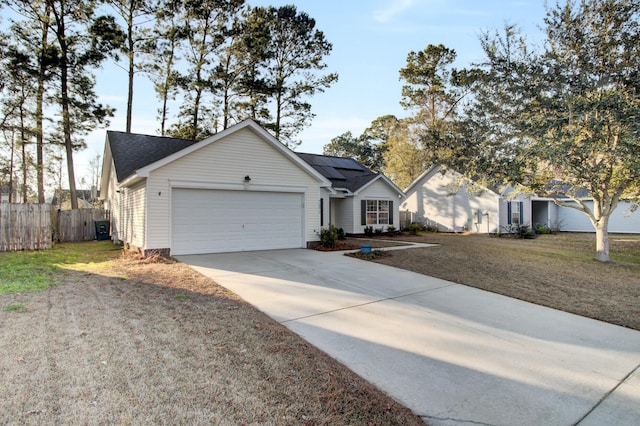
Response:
column 602, row 240
column 40, row 104
column 278, row 113
column 130, row 55
column 11, row 166
column 66, row 119
column 23, row 142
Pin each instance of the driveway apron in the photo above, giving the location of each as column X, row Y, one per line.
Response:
column 453, row 354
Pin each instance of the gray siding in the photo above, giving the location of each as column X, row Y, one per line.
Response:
column 622, row 220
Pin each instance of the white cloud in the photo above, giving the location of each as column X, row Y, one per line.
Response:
column 396, row 7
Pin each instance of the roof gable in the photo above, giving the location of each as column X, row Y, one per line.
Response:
column 141, row 154
column 433, row 170
column 131, row 151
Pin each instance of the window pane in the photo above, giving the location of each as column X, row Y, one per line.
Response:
column 384, row 218
column 384, row 205
column 372, row 218
column 372, row 205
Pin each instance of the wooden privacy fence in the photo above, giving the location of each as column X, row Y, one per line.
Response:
column 35, row 226
column 25, row 226
column 76, row 225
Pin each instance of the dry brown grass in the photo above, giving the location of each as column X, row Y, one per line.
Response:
column 149, row 341
column 557, row 271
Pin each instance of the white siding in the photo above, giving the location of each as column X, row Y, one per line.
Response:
column 621, row 220
column 526, row 211
column 134, row 217
column 227, row 161
column 127, row 208
column 378, row 190
column 113, row 203
column 343, row 216
column 431, row 201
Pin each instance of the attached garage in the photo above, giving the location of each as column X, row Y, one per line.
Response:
column 211, row 220
column 240, row 189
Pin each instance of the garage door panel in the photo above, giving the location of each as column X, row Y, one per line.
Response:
column 208, row 221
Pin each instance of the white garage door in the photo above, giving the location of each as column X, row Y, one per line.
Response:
column 210, row 221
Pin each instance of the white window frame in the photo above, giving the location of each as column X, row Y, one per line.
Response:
column 515, row 213
column 376, row 211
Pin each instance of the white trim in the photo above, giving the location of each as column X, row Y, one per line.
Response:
column 384, row 179
column 250, row 124
column 235, row 186
column 299, row 191
column 105, row 171
column 436, row 168
column 419, row 178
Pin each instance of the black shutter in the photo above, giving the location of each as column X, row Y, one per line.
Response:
column 509, row 213
column 390, row 212
column 321, row 211
column 363, row 212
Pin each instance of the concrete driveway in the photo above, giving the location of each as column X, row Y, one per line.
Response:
column 453, row 354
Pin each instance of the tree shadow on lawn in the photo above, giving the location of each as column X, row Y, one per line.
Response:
column 145, row 340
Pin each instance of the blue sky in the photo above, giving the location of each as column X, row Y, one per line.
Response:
column 371, row 40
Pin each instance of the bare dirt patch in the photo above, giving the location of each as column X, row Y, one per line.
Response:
column 153, row 342
column 557, row 271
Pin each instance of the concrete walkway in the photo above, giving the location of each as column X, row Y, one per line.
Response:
column 453, row 354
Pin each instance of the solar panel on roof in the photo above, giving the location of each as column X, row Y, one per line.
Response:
column 329, row 172
column 344, row 163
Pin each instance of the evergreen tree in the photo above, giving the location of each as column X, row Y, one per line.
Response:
column 206, row 29
column 161, row 56
column 83, row 41
column 296, row 51
column 135, row 14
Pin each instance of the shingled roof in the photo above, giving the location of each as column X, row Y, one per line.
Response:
column 342, row 172
column 131, row 151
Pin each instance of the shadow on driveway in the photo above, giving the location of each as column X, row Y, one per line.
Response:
column 449, row 352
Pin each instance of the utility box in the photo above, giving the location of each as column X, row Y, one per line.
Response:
column 102, row 230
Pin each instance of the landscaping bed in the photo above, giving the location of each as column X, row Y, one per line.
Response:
column 354, row 243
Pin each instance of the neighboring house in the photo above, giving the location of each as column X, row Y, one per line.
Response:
column 445, row 199
column 5, row 193
column 534, row 210
column 86, row 198
column 360, row 197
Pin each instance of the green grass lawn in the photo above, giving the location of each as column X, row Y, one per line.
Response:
column 37, row 270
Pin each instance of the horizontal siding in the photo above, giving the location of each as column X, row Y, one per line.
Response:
column 228, row 161
column 378, row 190
column 431, row 201
column 504, row 211
column 343, row 218
column 113, row 203
column 622, row 220
column 135, row 197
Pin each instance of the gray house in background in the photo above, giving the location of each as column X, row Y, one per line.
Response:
column 445, row 199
